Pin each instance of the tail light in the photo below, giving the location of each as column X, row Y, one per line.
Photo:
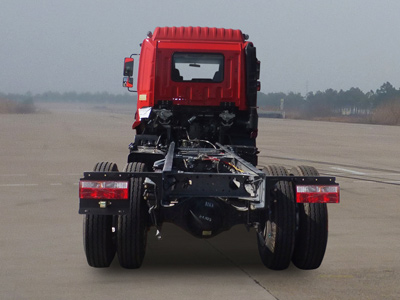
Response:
column 106, row 190
column 317, row 194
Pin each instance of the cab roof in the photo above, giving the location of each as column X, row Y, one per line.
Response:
column 197, row 34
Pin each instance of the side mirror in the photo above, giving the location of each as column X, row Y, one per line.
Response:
column 127, row 82
column 128, row 73
column 128, row 67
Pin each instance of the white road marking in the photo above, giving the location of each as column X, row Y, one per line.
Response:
column 348, row 171
column 383, row 174
column 18, row 184
column 35, row 184
column 60, row 174
column 13, row 175
column 49, row 174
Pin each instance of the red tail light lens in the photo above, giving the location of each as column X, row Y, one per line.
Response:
column 111, row 190
column 317, row 194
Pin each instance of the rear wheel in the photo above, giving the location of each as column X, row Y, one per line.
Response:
column 277, row 231
column 97, row 231
column 132, row 228
column 312, row 233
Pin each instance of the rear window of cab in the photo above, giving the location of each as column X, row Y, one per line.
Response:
column 197, row 67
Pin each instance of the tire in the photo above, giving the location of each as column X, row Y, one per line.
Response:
column 98, row 238
column 132, row 228
column 276, row 234
column 312, row 232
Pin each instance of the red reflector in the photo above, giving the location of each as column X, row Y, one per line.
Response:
column 103, row 190
column 317, row 194
column 254, row 134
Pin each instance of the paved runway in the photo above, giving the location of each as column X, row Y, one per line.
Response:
column 42, row 157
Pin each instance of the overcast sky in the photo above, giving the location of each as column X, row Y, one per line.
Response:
column 303, row 45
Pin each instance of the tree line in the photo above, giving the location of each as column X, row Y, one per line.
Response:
column 331, row 102
column 326, row 102
column 380, row 106
column 103, row 97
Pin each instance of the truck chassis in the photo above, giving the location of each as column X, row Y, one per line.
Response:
column 194, row 157
column 205, row 191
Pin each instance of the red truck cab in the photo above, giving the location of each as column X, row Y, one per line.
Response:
column 193, row 66
column 199, row 81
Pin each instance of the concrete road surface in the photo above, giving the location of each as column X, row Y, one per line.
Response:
column 42, row 157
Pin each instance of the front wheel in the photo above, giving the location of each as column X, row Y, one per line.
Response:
column 277, row 230
column 312, row 233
